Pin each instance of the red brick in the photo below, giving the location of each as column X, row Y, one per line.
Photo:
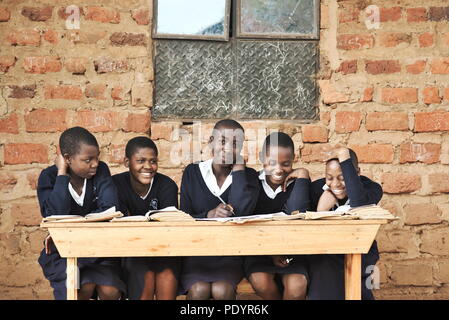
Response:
column 161, row 130
column 116, row 93
column 440, row 66
column 387, row 121
column 425, row 40
column 104, row 65
column 27, row 37
column 127, row 39
column 416, row 67
column 42, row 64
column 22, row 92
column 44, row 120
column 138, row 122
column 416, row 14
column 64, row 15
column 390, row 40
column 412, row 275
column 368, row 94
column 439, row 182
column 85, row 37
column 142, row 94
column 355, row 41
column 382, row 66
column 37, row 13
column 5, row 14
column 329, row 93
column 316, row 152
column 76, row 65
column 400, row 182
column 9, row 124
column 116, row 153
column 390, row 14
column 52, row 36
column 347, row 121
column 25, row 153
column 438, row 13
column 431, row 95
column 374, row 153
column 26, row 214
column 348, row 14
column 7, row 181
column 348, row 67
column 314, row 133
column 63, row 92
column 95, row 91
column 432, row 121
column 399, row 95
column 421, row 213
column 446, row 94
column 98, row 121
column 32, row 179
column 102, row 14
column 420, row 152
column 6, row 62
column 434, row 241
column 141, row 16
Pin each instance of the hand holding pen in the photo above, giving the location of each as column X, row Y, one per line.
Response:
column 223, row 210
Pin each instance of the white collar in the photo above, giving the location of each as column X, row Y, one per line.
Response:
column 79, row 199
column 210, row 179
column 149, row 189
column 266, row 187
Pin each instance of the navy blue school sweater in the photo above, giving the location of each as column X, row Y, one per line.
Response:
column 197, row 199
column 296, row 197
column 163, row 193
column 55, row 198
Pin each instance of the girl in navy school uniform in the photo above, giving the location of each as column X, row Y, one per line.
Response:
column 224, row 176
column 142, row 189
column 78, row 184
column 281, row 189
column 343, row 187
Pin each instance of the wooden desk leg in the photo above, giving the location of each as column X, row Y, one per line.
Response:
column 72, row 279
column 353, row 276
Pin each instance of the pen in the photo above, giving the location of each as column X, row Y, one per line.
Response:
column 289, row 260
column 226, row 204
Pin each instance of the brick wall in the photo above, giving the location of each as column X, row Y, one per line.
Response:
column 384, row 92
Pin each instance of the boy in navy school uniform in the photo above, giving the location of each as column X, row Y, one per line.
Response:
column 281, row 189
column 78, row 184
column 224, row 176
column 343, row 187
column 142, row 189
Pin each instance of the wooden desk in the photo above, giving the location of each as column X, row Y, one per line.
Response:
column 201, row 238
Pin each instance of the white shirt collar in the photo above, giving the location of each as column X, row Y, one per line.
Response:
column 149, row 189
column 79, row 199
column 210, row 179
column 266, row 187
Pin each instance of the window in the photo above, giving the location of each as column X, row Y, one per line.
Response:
column 246, row 59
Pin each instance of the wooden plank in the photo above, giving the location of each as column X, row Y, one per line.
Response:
column 221, row 240
column 72, row 279
column 353, row 276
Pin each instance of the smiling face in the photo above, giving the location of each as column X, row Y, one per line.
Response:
column 142, row 165
column 226, row 144
column 335, row 180
column 84, row 164
column 277, row 164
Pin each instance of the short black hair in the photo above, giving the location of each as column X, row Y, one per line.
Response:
column 71, row 139
column 228, row 123
column 138, row 143
column 277, row 139
column 354, row 159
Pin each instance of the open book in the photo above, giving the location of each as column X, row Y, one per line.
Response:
column 254, row 218
column 363, row 213
column 91, row 217
column 167, row 214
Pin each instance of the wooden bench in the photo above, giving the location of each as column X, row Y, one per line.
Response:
column 201, row 238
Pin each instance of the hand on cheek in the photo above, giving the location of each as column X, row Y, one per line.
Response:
column 327, row 201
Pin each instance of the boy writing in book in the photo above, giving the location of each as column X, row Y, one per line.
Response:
column 78, row 184
column 342, row 188
column 142, row 189
column 281, row 189
column 204, row 188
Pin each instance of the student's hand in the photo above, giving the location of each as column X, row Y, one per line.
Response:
column 61, row 164
column 280, row 261
column 221, row 211
column 339, row 152
column 327, row 201
column 296, row 174
column 48, row 244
